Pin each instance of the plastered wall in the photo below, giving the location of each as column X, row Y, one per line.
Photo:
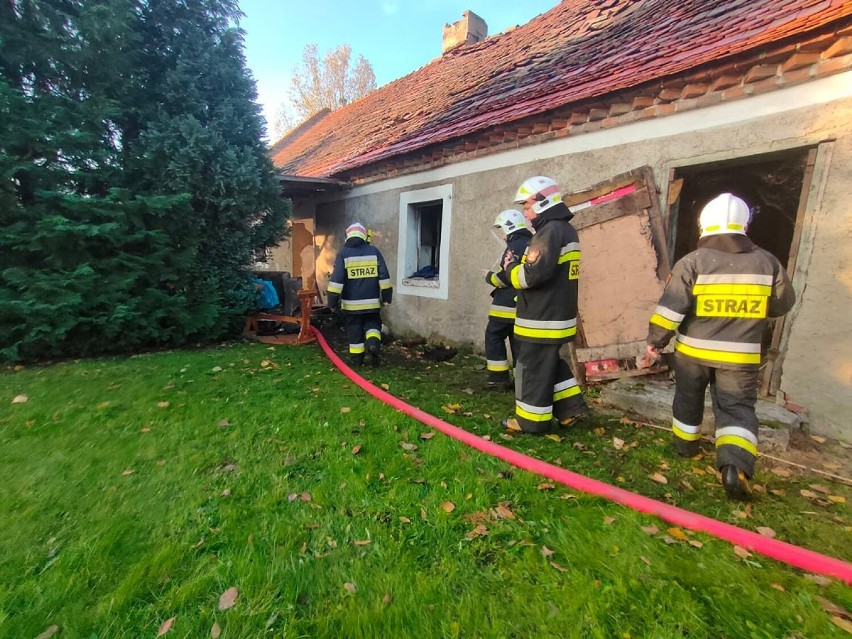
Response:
column 818, row 365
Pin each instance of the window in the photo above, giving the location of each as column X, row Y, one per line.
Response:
column 424, row 236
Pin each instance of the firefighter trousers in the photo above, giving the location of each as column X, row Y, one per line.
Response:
column 544, row 387
column 733, row 395
column 364, row 332
column 496, row 334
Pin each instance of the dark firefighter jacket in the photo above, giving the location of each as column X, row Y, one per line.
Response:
column 717, row 300
column 547, row 278
column 503, row 297
column 360, row 282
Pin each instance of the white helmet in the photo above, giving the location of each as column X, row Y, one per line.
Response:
column 356, row 230
column 510, row 221
column 546, row 192
column 725, row 213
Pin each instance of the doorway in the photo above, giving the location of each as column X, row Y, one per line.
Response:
column 775, row 186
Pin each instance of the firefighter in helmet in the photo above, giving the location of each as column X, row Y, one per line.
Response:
column 359, row 286
column 715, row 305
column 501, row 314
column 546, row 279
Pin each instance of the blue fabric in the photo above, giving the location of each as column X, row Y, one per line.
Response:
column 426, row 271
column 267, row 295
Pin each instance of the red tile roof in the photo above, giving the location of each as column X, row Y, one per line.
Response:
column 578, row 50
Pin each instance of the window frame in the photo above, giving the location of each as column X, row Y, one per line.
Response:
column 409, row 242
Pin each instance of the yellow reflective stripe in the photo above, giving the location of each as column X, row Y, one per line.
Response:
column 545, row 333
column 515, row 276
column 501, row 314
column 534, row 417
column 365, row 260
column 495, row 281
column 729, row 357
column 498, row 366
column 690, row 437
column 667, row 324
column 385, row 284
column 731, row 288
column 334, row 287
column 735, row 227
column 359, row 306
column 374, row 333
column 568, row 392
column 569, row 256
column 739, row 442
column 356, row 348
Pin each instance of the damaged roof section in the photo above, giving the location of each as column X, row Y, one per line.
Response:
column 577, row 51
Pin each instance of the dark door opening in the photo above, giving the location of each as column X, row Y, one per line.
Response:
column 771, row 183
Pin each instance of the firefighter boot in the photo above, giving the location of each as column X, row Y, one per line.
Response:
column 735, row 483
column 373, row 352
column 576, row 419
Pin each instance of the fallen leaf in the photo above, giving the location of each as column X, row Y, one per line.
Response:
column 695, row 543
column 350, row 587
column 820, row 489
column 427, row 435
column 448, row 506
column 699, row 471
column 49, row 632
column 739, row 551
column 840, row 622
column 546, row 552
column 545, row 485
column 669, row 539
column 408, row 446
column 625, row 420
column 163, row 405
column 660, row 479
column 215, row 631
column 553, row 437
column 479, row 531
column 356, row 449
column 226, row 492
column 778, row 587
column 617, row 443
column 21, row 399
column 167, row 625
column 387, row 598
column 216, row 369
column 292, row 497
column 650, row 530
column 405, row 520
column 345, row 409
column 818, row 439
column 486, row 415
column 780, row 472
column 832, row 608
column 362, row 542
column 224, row 423
column 558, row 567
column 778, row 492
column 127, row 472
column 677, row 533
column 645, row 559
column 608, row 520
column 804, row 492
column 837, row 499
column 766, row 532
column 385, row 386
column 228, row 598
column 503, row 511
column 305, row 496
column 819, row 580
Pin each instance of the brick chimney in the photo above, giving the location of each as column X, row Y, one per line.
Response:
column 471, row 28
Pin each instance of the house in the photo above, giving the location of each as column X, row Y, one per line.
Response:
column 642, row 110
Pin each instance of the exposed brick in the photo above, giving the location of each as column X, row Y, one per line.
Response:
column 764, row 86
column 558, row 123
column 725, row 81
column 578, row 117
column 686, row 105
column 735, row 93
column 845, row 31
column 592, row 126
column 760, row 72
column 841, row 47
column 642, row 101
column 797, row 76
column 798, row 61
column 540, row 127
column 650, row 112
column 608, row 123
column 664, row 109
column 693, row 90
column 618, row 108
column 597, row 114
column 709, row 99
column 828, row 67
column 627, row 118
column 668, row 94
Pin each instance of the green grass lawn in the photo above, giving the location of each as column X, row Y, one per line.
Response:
column 138, row 490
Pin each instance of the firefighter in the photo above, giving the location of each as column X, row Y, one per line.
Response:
column 715, row 304
column 546, row 278
column 501, row 314
column 359, row 286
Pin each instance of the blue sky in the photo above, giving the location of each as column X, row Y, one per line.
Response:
column 395, row 36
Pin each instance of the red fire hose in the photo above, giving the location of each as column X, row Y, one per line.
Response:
column 808, row 560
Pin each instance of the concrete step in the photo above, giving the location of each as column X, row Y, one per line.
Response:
column 652, row 400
